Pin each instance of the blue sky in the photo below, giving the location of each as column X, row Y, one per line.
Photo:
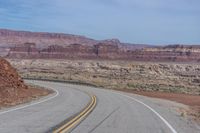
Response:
column 134, row 21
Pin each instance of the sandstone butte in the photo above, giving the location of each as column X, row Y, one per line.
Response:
column 41, row 45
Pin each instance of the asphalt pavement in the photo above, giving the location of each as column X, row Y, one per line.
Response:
column 115, row 112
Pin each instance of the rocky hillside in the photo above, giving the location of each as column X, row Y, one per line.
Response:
column 12, row 88
column 22, row 44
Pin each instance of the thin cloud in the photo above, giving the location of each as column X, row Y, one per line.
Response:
column 137, row 21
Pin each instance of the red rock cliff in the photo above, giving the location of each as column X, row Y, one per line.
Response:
column 21, row 44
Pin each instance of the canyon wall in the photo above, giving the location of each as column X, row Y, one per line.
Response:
column 22, row 44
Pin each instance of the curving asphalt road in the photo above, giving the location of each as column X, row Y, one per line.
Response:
column 116, row 112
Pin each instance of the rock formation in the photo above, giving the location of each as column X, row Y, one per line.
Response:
column 22, row 44
column 12, row 88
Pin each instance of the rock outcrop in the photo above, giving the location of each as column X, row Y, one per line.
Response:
column 12, row 88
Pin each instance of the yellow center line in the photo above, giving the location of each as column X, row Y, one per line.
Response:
column 76, row 120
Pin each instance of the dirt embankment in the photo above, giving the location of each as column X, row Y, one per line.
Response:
column 12, row 88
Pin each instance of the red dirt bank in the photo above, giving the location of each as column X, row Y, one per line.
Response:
column 12, row 88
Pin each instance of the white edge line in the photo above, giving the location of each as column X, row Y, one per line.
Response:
column 18, row 108
column 155, row 112
column 57, row 93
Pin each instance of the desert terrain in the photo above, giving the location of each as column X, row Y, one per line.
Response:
column 110, row 69
column 170, row 72
column 99, row 66
column 143, row 76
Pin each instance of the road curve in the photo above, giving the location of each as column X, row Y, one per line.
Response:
column 114, row 113
column 43, row 115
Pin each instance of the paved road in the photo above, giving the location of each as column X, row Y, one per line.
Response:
column 115, row 113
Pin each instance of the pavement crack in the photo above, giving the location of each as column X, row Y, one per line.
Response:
column 104, row 119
